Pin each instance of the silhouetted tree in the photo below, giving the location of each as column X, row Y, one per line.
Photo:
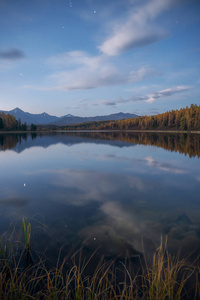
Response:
column 1, row 123
column 33, row 127
column 19, row 124
column 24, row 127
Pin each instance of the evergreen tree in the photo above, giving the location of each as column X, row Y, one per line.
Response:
column 1, row 123
column 33, row 127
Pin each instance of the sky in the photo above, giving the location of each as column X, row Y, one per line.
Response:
column 97, row 57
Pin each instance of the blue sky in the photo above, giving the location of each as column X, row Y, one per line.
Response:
column 96, row 57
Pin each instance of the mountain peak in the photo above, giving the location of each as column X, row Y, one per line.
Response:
column 44, row 118
column 69, row 116
column 17, row 109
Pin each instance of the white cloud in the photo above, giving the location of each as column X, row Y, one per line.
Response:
column 76, row 57
column 78, row 70
column 138, row 31
column 166, row 93
column 140, row 74
column 87, row 78
column 83, row 71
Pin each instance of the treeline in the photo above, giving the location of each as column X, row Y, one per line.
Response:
column 185, row 119
column 9, row 122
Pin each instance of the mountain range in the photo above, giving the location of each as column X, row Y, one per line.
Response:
column 46, row 119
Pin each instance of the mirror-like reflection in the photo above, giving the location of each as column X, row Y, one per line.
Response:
column 186, row 143
column 110, row 190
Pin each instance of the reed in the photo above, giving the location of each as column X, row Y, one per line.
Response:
column 26, row 230
column 168, row 278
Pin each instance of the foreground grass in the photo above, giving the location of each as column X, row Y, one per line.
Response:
column 20, row 278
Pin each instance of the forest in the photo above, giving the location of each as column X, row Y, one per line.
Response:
column 8, row 122
column 185, row 119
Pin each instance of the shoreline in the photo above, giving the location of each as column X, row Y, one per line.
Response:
column 108, row 130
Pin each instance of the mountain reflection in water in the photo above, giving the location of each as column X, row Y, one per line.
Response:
column 116, row 191
column 186, row 143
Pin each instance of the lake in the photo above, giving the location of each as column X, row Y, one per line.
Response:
column 115, row 192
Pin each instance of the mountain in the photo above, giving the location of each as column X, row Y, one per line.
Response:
column 69, row 119
column 37, row 119
column 46, row 119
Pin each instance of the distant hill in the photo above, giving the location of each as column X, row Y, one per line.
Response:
column 46, row 119
column 29, row 118
column 69, row 119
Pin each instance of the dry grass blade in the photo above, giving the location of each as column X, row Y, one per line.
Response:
column 166, row 279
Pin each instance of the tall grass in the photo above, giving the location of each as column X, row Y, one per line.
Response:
column 169, row 277
column 26, row 230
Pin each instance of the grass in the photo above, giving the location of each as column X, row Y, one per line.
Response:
column 26, row 229
column 169, row 277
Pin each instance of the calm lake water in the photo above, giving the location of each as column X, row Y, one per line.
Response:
column 119, row 192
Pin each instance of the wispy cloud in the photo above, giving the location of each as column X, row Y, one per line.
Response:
column 87, row 78
column 166, row 93
column 71, row 58
column 138, row 31
column 123, row 101
column 11, row 54
column 78, row 70
column 148, row 98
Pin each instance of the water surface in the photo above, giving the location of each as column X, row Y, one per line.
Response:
column 119, row 192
